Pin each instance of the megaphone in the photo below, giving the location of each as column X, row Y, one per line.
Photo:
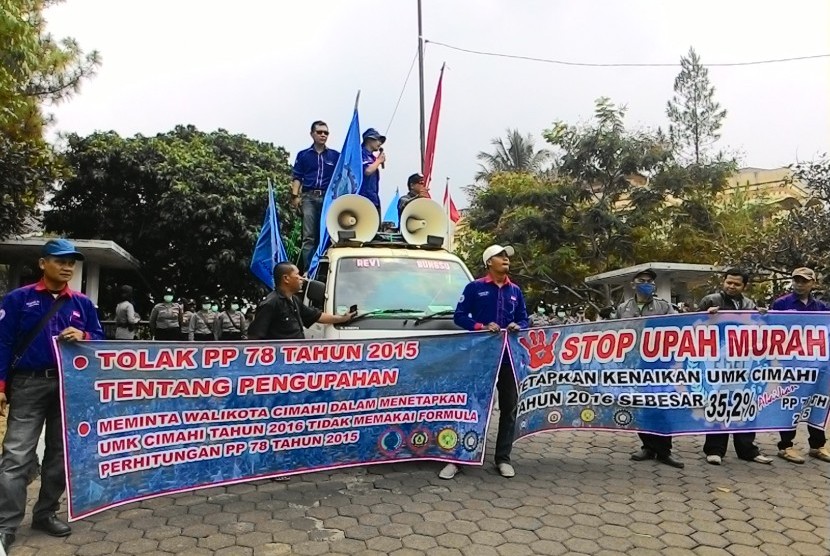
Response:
column 352, row 214
column 423, row 218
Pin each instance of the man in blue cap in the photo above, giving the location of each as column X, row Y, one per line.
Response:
column 372, row 163
column 29, row 318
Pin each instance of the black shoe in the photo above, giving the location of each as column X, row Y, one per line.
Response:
column 669, row 459
column 643, row 455
column 6, row 540
column 51, row 525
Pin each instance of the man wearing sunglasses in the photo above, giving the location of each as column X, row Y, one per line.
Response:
column 312, row 173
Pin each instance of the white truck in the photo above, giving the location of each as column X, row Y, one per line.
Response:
column 402, row 285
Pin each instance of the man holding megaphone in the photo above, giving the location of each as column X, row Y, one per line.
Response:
column 372, row 163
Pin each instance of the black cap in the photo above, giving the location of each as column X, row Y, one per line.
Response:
column 413, row 179
column 647, row 272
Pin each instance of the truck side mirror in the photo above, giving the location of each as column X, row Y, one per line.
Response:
column 316, row 292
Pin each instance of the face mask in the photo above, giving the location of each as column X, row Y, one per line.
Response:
column 244, row 310
column 234, row 307
column 206, row 307
column 214, row 308
column 168, row 298
column 646, row 290
column 561, row 314
column 540, row 310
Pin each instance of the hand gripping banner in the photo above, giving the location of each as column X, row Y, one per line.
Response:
column 678, row 374
column 143, row 419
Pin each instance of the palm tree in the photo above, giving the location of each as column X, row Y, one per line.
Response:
column 515, row 153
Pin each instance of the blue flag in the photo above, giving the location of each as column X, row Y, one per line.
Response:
column 392, row 211
column 269, row 249
column 347, row 178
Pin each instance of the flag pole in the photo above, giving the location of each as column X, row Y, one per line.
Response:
column 447, row 209
column 421, row 83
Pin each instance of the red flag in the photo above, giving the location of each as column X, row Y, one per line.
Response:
column 432, row 133
column 449, row 206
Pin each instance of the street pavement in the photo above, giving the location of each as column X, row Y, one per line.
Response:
column 574, row 493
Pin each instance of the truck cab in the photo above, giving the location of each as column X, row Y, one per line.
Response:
column 403, row 284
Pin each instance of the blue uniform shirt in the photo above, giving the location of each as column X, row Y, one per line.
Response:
column 484, row 301
column 371, row 184
column 22, row 310
column 314, row 170
column 791, row 302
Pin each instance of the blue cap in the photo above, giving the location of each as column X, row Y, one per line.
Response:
column 372, row 133
column 60, row 248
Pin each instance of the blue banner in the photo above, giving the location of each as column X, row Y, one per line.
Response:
column 143, row 419
column 680, row 374
column 269, row 249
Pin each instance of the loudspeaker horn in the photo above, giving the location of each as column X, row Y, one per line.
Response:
column 355, row 214
column 423, row 218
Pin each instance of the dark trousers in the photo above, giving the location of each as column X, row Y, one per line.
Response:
column 203, row 338
column 312, row 207
column 168, row 334
column 508, row 406
column 660, row 445
column 744, row 443
column 817, row 438
column 33, row 402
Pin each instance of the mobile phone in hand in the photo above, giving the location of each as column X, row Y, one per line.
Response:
column 353, row 309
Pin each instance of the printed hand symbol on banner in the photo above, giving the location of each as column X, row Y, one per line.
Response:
column 538, row 348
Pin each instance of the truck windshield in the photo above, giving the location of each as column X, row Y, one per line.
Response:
column 387, row 284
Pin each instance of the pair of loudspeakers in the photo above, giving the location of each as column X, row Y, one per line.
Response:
column 356, row 218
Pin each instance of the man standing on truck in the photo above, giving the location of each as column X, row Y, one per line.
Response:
column 312, row 174
column 417, row 189
column 372, row 163
column 281, row 316
column 494, row 303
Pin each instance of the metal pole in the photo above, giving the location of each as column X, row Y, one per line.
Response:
column 421, row 83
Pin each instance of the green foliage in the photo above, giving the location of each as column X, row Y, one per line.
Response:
column 187, row 204
column 516, row 153
column 619, row 198
column 695, row 116
column 34, row 68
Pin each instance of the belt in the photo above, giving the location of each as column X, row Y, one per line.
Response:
column 40, row 373
column 314, row 192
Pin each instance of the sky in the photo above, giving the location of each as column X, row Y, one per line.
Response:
column 269, row 68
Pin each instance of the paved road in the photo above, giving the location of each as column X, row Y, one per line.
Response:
column 575, row 493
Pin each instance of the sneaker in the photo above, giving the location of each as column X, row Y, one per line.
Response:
column 791, row 455
column 761, row 458
column 506, row 470
column 449, row 471
column 714, row 459
column 820, row 453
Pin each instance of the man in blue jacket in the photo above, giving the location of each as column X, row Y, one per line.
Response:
column 494, row 303
column 29, row 318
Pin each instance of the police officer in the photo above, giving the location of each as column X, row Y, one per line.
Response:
column 644, row 303
column 126, row 318
column 231, row 324
column 29, row 318
column 493, row 303
column 200, row 327
column 281, row 316
column 166, row 318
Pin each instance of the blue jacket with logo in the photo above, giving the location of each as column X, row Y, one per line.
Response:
column 483, row 302
column 22, row 310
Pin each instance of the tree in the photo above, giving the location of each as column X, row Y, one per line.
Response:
column 187, row 204
column 516, row 153
column 34, row 69
column 695, row 117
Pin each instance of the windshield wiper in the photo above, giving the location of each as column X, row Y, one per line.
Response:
column 431, row 316
column 385, row 312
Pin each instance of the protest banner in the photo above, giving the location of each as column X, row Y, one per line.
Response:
column 677, row 374
column 143, row 419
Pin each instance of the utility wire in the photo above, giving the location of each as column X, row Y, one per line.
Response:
column 621, row 65
column 403, row 89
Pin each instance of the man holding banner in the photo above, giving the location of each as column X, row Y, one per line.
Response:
column 29, row 317
column 802, row 299
column 643, row 304
column 731, row 298
column 494, row 303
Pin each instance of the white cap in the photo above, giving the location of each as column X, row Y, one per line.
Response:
column 494, row 250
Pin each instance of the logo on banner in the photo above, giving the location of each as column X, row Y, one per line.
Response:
column 447, row 439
